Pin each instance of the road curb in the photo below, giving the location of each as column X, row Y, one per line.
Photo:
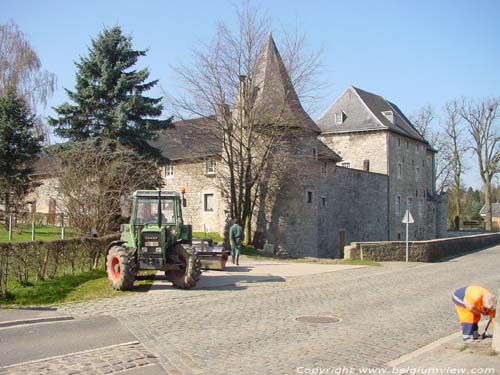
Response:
column 425, row 349
column 19, row 322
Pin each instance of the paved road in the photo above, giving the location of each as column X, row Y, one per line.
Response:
column 251, row 328
column 36, row 341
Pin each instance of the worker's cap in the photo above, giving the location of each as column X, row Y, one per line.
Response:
column 490, row 301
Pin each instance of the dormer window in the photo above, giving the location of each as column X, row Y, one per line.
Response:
column 340, row 117
column 210, row 167
column 389, row 115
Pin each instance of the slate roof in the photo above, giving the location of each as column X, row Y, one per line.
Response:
column 368, row 115
column 200, row 138
column 189, row 140
column 326, row 153
column 495, row 210
column 45, row 165
column 276, row 95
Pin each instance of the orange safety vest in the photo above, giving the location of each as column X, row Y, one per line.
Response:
column 473, row 298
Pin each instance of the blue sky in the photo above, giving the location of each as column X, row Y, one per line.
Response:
column 413, row 53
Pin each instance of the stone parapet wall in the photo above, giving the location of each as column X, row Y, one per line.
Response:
column 419, row 251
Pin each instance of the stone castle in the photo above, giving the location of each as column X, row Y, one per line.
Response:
column 353, row 173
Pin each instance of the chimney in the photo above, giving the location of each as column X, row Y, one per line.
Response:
column 366, row 165
column 242, row 96
column 242, row 88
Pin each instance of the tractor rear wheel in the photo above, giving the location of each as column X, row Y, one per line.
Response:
column 121, row 269
column 189, row 273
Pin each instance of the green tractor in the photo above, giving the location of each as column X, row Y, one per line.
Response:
column 155, row 239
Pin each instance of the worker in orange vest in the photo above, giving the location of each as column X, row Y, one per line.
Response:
column 470, row 302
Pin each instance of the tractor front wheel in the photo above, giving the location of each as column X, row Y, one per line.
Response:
column 121, row 269
column 190, row 271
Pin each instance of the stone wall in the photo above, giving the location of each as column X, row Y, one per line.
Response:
column 341, row 200
column 285, row 218
column 355, row 148
column 409, row 165
column 193, row 177
column 420, row 251
column 414, row 181
column 441, row 215
column 357, row 205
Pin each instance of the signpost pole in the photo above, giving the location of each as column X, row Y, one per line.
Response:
column 407, row 240
column 407, row 219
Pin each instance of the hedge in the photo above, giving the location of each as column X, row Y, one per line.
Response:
column 37, row 260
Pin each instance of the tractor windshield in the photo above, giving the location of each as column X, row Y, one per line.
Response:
column 147, row 210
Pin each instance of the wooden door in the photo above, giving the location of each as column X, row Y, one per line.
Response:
column 341, row 243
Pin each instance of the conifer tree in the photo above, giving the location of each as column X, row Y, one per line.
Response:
column 108, row 100
column 19, row 147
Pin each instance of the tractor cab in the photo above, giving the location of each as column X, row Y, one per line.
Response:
column 155, row 239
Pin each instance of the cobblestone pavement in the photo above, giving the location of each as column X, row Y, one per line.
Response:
column 99, row 361
column 384, row 312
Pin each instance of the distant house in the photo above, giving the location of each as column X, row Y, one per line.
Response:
column 45, row 202
column 495, row 215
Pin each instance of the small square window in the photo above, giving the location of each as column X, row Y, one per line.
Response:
column 169, row 170
column 397, row 209
column 210, row 167
column 421, row 207
column 324, row 168
column 345, row 164
column 208, row 202
column 323, row 201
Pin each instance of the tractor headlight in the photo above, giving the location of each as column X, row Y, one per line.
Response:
column 158, row 249
column 144, row 249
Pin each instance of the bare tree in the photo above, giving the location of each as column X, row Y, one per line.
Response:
column 422, row 119
column 21, row 68
column 225, row 86
column 454, row 150
column 481, row 118
column 94, row 176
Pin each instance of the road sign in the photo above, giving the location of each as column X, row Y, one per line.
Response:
column 408, row 219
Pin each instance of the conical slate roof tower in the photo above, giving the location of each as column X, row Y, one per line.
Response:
column 276, row 96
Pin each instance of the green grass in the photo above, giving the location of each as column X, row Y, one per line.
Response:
column 213, row 235
column 42, row 233
column 72, row 288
